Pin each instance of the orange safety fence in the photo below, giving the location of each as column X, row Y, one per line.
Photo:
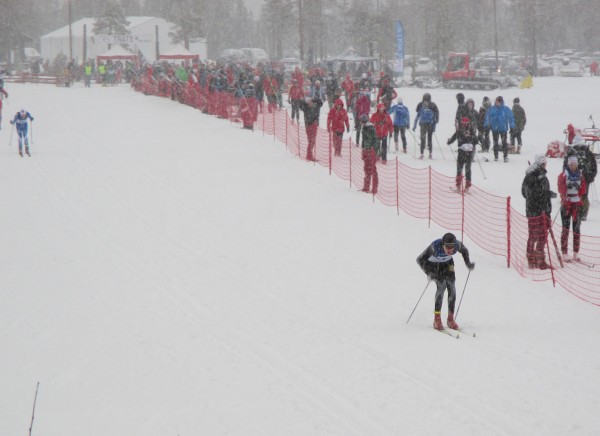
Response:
column 487, row 219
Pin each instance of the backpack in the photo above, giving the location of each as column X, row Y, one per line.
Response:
column 426, row 115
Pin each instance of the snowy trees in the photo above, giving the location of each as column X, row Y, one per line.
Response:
column 111, row 21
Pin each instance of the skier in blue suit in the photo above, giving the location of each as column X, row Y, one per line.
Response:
column 20, row 120
column 499, row 119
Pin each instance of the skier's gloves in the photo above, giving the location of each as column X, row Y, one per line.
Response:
column 448, row 142
column 430, row 276
column 553, row 194
column 471, row 266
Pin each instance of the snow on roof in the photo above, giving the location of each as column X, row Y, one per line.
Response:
column 117, row 50
column 77, row 27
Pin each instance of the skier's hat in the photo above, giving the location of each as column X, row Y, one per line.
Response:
column 448, row 240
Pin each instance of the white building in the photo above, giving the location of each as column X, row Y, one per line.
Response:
column 143, row 30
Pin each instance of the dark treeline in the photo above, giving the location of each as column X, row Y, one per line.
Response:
column 314, row 29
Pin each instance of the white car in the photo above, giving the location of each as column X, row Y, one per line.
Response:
column 425, row 67
column 570, row 68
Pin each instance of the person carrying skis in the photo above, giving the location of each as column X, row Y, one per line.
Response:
column 571, row 187
column 499, row 118
column 401, row 122
column 467, row 140
column 370, row 154
column 20, row 120
column 3, row 95
column 383, row 127
column 538, row 208
column 437, row 263
column 336, row 119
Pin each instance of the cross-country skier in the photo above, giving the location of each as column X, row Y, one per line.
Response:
column 499, row 118
column 467, row 140
column 437, row 262
column 20, row 120
column 588, row 166
column 336, row 120
column 370, row 153
column 572, row 188
column 401, row 122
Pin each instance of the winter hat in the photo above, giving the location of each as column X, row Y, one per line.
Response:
column 339, row 102
column 427, row 97
column 400, row 100
column 449, row 240
column 486, row 98
column 500, row 99
column 540, row 159
column 578, row 139
column 460, row 97
column 380, row 106
column 572, row 159
column 364, row 118
column 470, row 100
column 517, row 100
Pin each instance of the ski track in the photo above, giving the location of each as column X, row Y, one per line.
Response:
column 340, row 409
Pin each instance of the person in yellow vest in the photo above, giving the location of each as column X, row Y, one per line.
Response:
column 102, row 73
column 88, row 74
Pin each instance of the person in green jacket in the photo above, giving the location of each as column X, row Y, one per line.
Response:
column 370, row 152
column 88, row 74
column 102, row 73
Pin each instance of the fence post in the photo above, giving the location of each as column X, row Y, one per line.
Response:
column 262, row 105
column 274, row 124
column 429, row 221
column 397, row 189
column 508, row 229
column 350, row 155
column 462, row 219
column 299, row 152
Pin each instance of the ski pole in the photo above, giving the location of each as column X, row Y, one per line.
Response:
column 422, row 293
column 31, row 136
column 462, row 295
column 555, row 245
column 33, row 411
column 414, row 143
column 440, row 147
column 479, row 162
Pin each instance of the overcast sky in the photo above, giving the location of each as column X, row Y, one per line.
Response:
column 254, row 7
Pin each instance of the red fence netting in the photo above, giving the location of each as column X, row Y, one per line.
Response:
column 488, row 220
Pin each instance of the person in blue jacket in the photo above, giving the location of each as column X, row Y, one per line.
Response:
column 401, row 122
column 426, row 120
column 499, row 119
column 20, row 120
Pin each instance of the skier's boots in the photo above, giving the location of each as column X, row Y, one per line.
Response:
column 437, row 321
column 451, row 323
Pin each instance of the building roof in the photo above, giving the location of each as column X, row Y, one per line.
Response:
column 77, row 26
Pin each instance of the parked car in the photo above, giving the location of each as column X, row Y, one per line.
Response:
column 570, row 68
column 231, row 54
column 425, row 67
column 544, row 68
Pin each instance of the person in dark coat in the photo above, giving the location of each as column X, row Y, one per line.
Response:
column 484, row 132
column 370, row 154
column 520, row 121
column 312, row 110
column 538, row 208
column 436, row 261
column 428, row 115
column 467, row 140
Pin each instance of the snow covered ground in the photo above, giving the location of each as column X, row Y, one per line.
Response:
column 164, row 272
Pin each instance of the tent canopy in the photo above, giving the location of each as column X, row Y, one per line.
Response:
column 118, row 52
column 178, row 52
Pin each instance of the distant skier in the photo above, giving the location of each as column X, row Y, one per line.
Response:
column 467, row 140
column 336, row 120
column 484, row 132
column 3, row 95
column 20, row 121
column 588, row 165
column 520, row 121
column 437, row 262
column 312, row 111
column 401, row 122
column 370, row 154
column 427, row 119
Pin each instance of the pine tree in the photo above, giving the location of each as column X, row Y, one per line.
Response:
column 112, row 21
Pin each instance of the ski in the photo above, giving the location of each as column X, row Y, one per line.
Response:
column 458, row 191
column 467, row 332
column 583, row 262
column 452, row 333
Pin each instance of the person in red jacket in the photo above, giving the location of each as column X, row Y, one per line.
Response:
column 594, row 68
column 383, row 127
column 361, row 107
column 295, row 97
column 298, row 76
column 336, row 119
column 571, row 187
column 348, row 87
